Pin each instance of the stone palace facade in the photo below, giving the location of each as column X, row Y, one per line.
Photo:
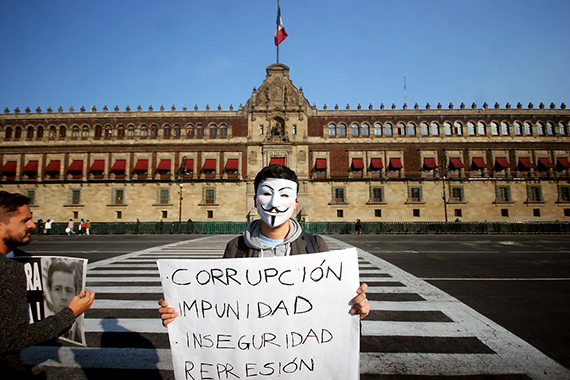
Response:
column 468, row 163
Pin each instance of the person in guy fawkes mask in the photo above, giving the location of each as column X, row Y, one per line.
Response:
column 276, row 233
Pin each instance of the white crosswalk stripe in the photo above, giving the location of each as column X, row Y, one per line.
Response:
column 413, row 329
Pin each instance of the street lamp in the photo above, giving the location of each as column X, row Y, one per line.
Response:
column 182, row 171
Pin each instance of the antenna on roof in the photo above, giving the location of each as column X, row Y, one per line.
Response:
column 405, row 90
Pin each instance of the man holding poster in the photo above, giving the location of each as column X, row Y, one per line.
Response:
column 16, row 333
column 276, row 235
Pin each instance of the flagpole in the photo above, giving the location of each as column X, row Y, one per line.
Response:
column 277, row 29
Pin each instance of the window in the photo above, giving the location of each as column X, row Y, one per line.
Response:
column 401, row 129
column 340, row 213
column 210, row 196
column 131, row 131
column 534, row 193
column 224, row 130
column 119, row 215
column 378, row 213
column 536, row 212
column 503, row 194
column 414, row 194
column 332, row 130
column 378, row 129
column 121, row 132
column 527, row 128
column 85, row 132
column 505, row 212
column 411, row 129
column 434, row 129
column 504, row 128
column 200, row 131
column 470, row 128
column 31, row 193
column 458, row 128
column 365, row 130
column 447, row 128
column 458, row 212
column 177, row 131
column 75, row 214
column 567, row 212
column 564, row 193
column 424, row 129
column 213, row 130
column 167, row 131
column 518, row 128
column 494, row 129
column 416, row 213
column 62, row 132
column 153, row 131
column 144, row 131
column 388, row 129
column 341, row 129
column 164, row 214
column 30, row 133
column 376, row 195
column 539, row 129
column 118, row 197
column 75, row 196
column 338, row 195
column 457, row 194
column 355, row 129
column 40, row 133
column 210, row 214
column 481, row 128
column 75, row 132
column 164, row 196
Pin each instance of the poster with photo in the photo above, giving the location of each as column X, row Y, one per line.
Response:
column 52, row 281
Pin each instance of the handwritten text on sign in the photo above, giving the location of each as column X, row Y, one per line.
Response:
column 263, row 318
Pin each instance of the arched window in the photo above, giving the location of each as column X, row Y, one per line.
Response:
column 52, row 132
column 75, row 132
column 144, row 131
column 121, row 132
column 213, row 131
column 411, row 129
column 458, row 128
column 108, row 131
column 40, row 133
column 434, row 129
column 527, row 128
column 189, row 131
column 131, row 131
column 540, row 128
column 62, row 131
column 18, row 133
column 200, row 131
column 8, row 133
column 223, row 130
column 447, row 128
column 98, row 131
column 154, row 131
column 85, row 132
column 517, row 128
column 504, row 128
column 365, row 129
column 177, row 131
column 355, row 129
column 470, row 128
column 341, row 129
column 401, row 129
column 378, row 129
column 388, row 129
column 494, row 128
column 481, row 128
column 549, row 128
column 167, row 131
column 424, row 128
column 332, row 129
column 30, row 133
column 562, row 128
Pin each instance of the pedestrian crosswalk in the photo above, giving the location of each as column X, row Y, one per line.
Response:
column 413, row 329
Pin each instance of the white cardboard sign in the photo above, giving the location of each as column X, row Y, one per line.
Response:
column 264, row 318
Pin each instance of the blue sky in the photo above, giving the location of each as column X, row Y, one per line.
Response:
column 118, row 53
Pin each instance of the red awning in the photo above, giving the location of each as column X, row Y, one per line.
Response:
column 76, row 166
column 321, row 164
column 10, row 166
column 564, row 162
column 376, row 163
column 357, row 164
column 164, row 165
column 478, row 163
column 190, row 165
column 546, row 163
column 430, row 163
column 31, row 166
column 232, row 164
column 141, row 165
column 502, row 163
column 277, row 161
column 525, row 162
column 455, row 163
column 209, row 164
column 53, row 166
column 97, row 166
column 395, row 163
column 119, row 165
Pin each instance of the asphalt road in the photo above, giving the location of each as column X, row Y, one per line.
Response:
column 520, row 282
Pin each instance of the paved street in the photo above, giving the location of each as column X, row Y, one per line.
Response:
column 443, row 306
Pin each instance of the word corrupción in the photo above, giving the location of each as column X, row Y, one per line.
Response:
column 230, row 276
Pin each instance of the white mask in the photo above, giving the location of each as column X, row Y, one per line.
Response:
column 276, row 200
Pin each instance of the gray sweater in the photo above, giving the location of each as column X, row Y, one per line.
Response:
column 16, row 333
